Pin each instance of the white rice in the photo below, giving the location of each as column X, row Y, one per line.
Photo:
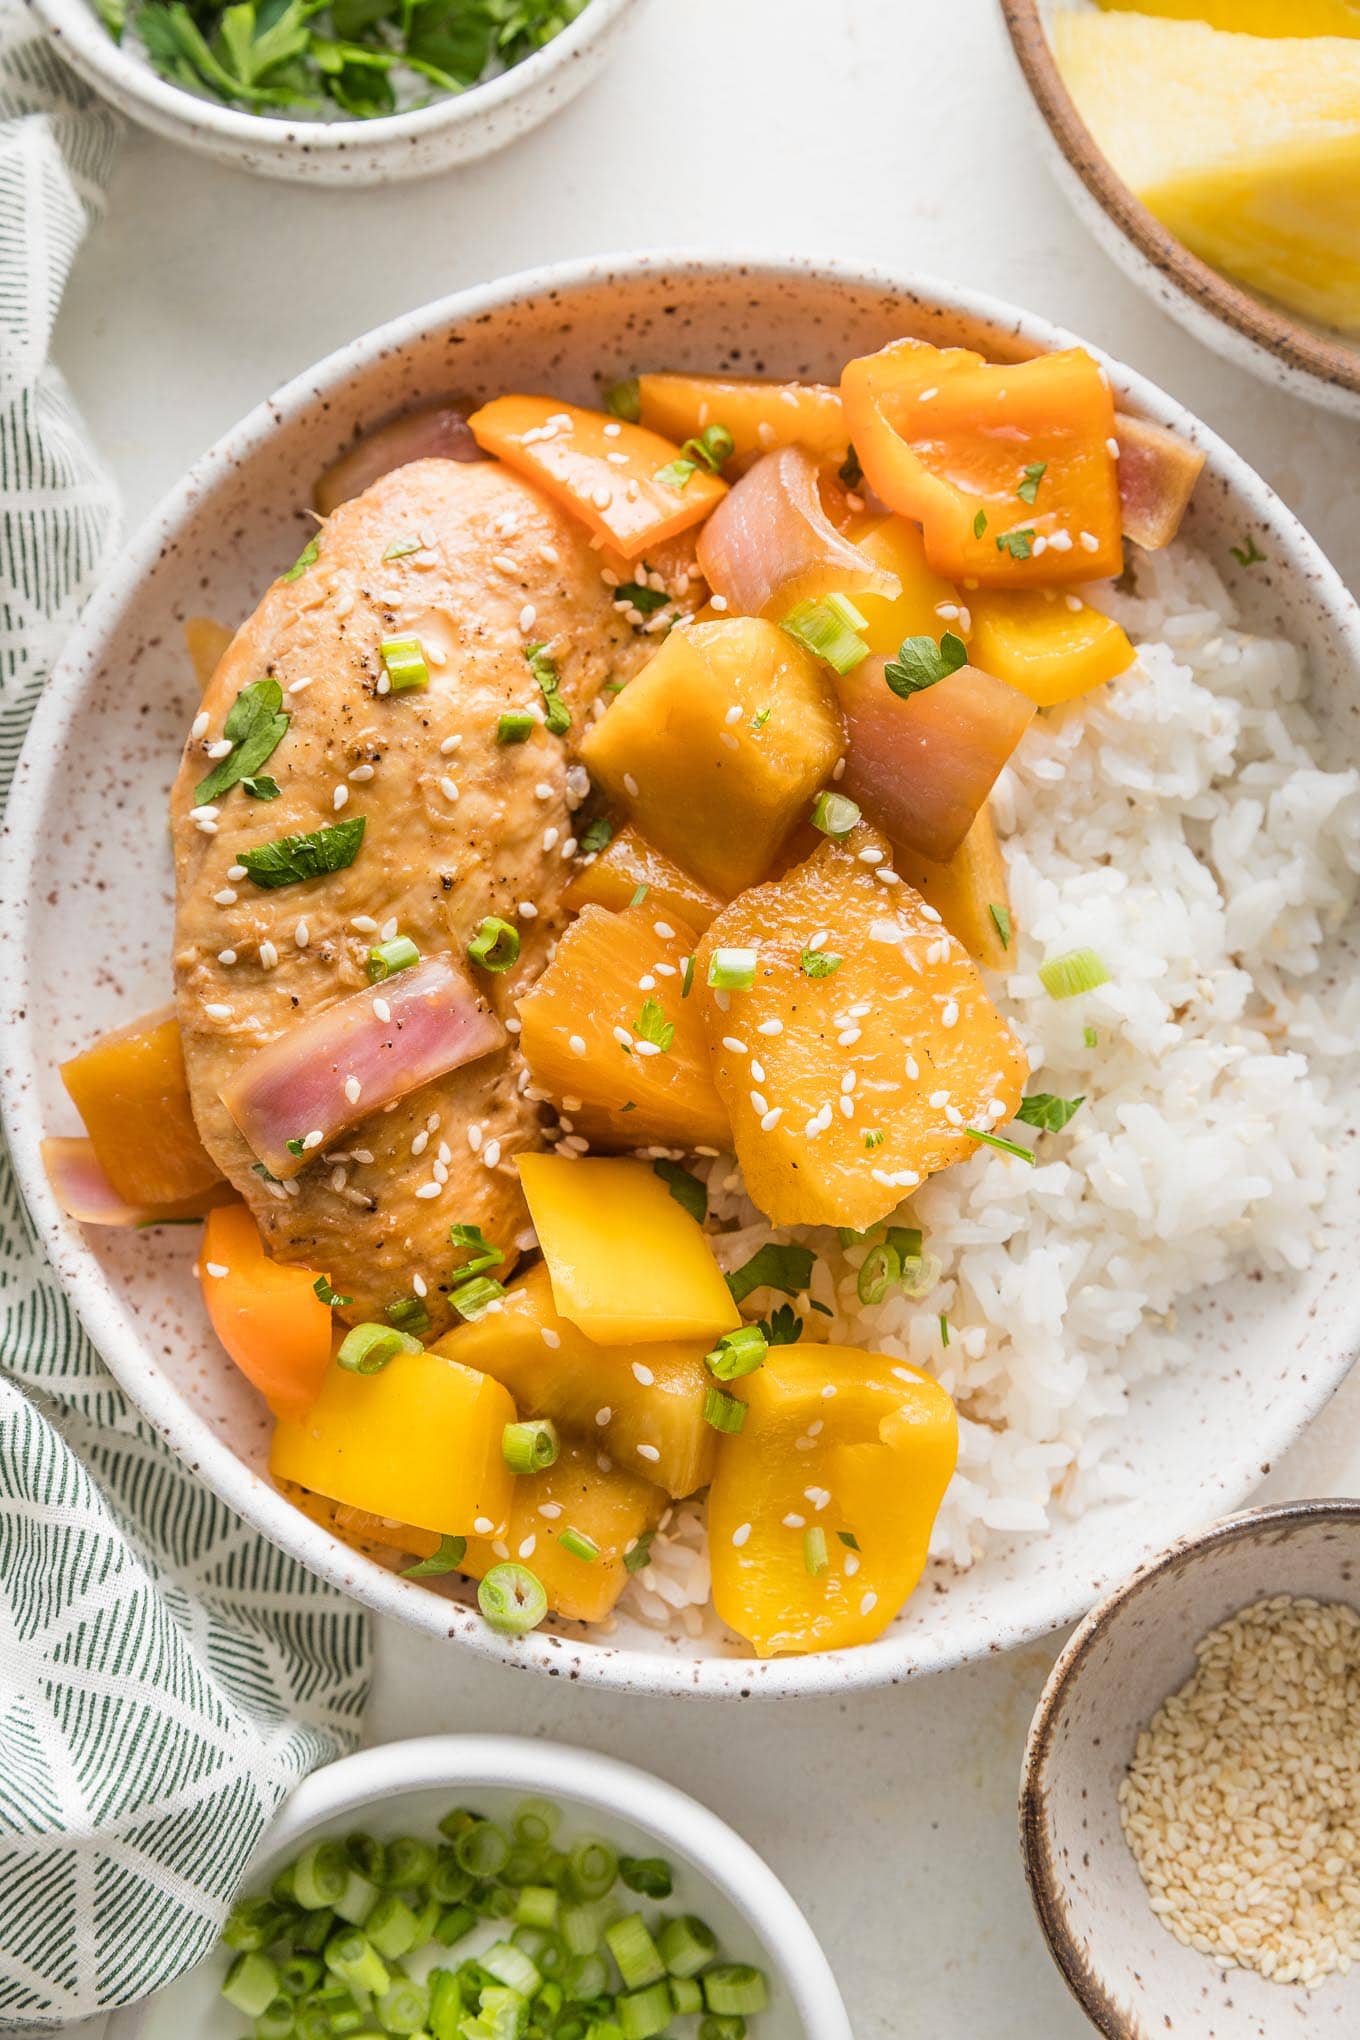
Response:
column 1177, row 822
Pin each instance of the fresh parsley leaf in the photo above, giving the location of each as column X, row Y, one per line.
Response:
column 294, row 1146
column 450, row 1555
column 653, row 1026
column 676, row 473
column 774, row 1267
column 689, row 1193
column 557, row 715
column 255, row 727
column 760, row 718
column 921, row 663
column 979, row 524
column 481, row 1254
column 1019, row 544
column 306, row 558
column 820, row 963
column 597, row 835
column 1048, row 1113
column 291, row 859
column 783, row 1327
column 1001, row 918
column 850, row 471
column 1247, row 555
column 645, row 600
column 261, row 787
column 1029, row 487
column 329, row 1295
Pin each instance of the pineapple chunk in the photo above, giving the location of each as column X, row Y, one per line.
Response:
column 964, row 891
column 627, row 1264
column 1246, row 147
column 613, row 1509
column 616, row 974
column 644, row 1403
column 719, row 746
column 835, row 1117
column 612, row 878
column 1253, row 17
column 1031, row 639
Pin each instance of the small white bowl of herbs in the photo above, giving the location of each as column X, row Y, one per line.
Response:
column 487, row 1888
column 336, row 91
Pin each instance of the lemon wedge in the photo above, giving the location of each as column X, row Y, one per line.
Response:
column 1253, row 17
column 1247, row 148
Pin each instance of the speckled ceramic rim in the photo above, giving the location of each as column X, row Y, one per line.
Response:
column 174, row 112
column 894, row 1657
column 1085, row 1987
column 1284, row 340
column 680, row 1824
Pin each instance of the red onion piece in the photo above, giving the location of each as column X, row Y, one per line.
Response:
column 921, row 768
column 1157, row 475
column 84, row 1192
column 438, row 432
column 769, row 543
column 347, row 1061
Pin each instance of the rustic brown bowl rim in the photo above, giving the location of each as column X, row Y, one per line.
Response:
column 1246, row 1526
column 1298, row 346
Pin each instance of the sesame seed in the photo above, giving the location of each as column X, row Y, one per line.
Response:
column 429, row 1189
column 770, row 1027
column 217, row 1269
column 339, row 797
column 364, row 924
column 503, row 563
column 603, row 1416
column 226, row 956
column 949, row 1016
column 223, row 748
column 759, row 1103
column 353, row 1090
column 868, row 1603
column 491, row 1154
column 718, row 602
column 198, row 727
column 420, row 1143
column 528, row 616
column 300, row 686
column 225, row 898
column 448, row 788
column 313, row 1139
column 741, row 1535
column 643, row 1375
column 269, row 956
column 360, row 774
column 235, row 871
column 1088, row 541
column 302, row 935
column 550, row 839
column 772, row 1119
column 734, row 1047
column 602, row 497
column 648, row 1452
column 483, row 1525
column 793, row 1521
column 630, row 786
column 382, row 1010
column 1112, row 448
column 527, row 911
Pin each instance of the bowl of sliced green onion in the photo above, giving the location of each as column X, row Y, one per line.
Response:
column 348, row 92
column 493, row 1888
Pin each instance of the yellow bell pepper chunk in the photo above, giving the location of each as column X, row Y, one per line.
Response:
column 419, row 1442
column 1032, row 639
column 651, row 1420
column 627, row 1263
column 613, row 1510
column 896, row 543
column 876, row 1457
column 968, row 892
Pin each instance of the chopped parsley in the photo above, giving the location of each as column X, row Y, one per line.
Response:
column 481, row 1254
column 291, row 859
column 1247, row 555
column 1048, row 1113
column 689, row 1193
column 921, row 663
column 295, row 1146
column 1001, row 918
column 645, row 600
column 308, row 556
column 848, row 1539
column 760, row 718
column 1029, row 487
column 597, row 836
column 773, row 1267
column 979, row 524
column 783, row 1327
column 819, row 963
column 1019, row 544
column 654, row 1027
column 557, row 715
column 255, row 727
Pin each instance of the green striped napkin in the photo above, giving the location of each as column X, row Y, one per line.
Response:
column 166, row 1676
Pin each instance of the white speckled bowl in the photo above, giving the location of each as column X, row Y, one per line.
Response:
column 1129, row 1974
column 386, row 151
column 85, row 915
column 406, row 1787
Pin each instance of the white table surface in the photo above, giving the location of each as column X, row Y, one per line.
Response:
column 892, row 130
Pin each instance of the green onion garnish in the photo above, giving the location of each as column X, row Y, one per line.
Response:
column 835, row 814
column 1090, row 1037
column 1080, row 970
column 1048, row 1113
column 711, row 448
column 819, row 963
column 921, row 663
column 640, row 893
column 579, row 1545
column 402, row 548
column 367, row 1349
column 531, row 1446
column 640, row 1555
column 979, row 524
column 724, row 1412
column 331, row 1296
column 735, row 1988
column 404, row 663
column 513, row 1602
column 473, row 1299
column 624, row 400
column 1006, row 1147
column 732, row 970
column 636, row 1953
column 687, row 1945
column 878, row 1274
column 408, row 1314
column 649, row 1876
column 495, row 946
column 515, row 726
column 389, row 957
column 687, row 978
column 815, row 1556
column 1001, row 920
column 689, row 1193
column 737, row 1353
column 829, row 629
column 450, row 1555
column 252, row 1984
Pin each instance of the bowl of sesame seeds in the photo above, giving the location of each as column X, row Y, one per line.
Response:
column 1190, row 1804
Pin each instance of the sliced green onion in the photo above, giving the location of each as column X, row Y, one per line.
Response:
column 450, row 1883
column 355, row 1902
column 644, row 2013
column 512, row 1967
column 732, row 970
column 367, row 1349
column 1090, row 1037
column 392, row 1927
column 676, row 473
column 687, row 978
column 686, row 1996
column 1006, row 1147
column 530, row 1446
column 1001, row 917
column 835, row 814
column 408, row 1314
column 474, row 1299
column 639, row 1554
column 815, row 1556
column 252, row 1983
column 512, row 1599
column 275, row 2022
column 538, row 1905
column 592, row 1868
column 300, row 1974
column 824, row 629
column 649, row 1876
column 454, row 1925
column 319, row 1875
column 1080, row 970
column 636, row 1953
column 450, row 1555
column 587, row 1977
column 624, row 400
column 639, row 895
column 580, row 1930
column 252, row 1924
column 410, row 1863
column 737, row 1353
column 579, row 1545
column 483, row 1849
column 735, row 1987
column 944, row 1329
column 712, row 447
column 880, row 1271
column 352, row 1957
column 495, row 946
column 389, row 957
column 404, row 2008
column 404, row 661
column 515, row 726
column 724, row 1412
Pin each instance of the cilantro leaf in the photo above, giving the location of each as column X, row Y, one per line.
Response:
column 290, row 859
column 597, row 835
column 783, row 1327
column 921, row 663
column 1029, row 487
column 1247, row 555
column 689, row 1193
column 1048, row 1113
column 1019, row 544
column 653, row 1026
column 255, row 727
column 557, row 715
column 645, row 600
column 820, row 963
column 979, row 524
column 774, row 1267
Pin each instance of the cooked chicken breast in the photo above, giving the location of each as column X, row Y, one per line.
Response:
column 478, row 565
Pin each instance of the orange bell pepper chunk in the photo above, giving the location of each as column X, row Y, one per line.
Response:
column 130, row 1089
column 952, row 440
column 632, row 487
column 266, row 1313
column 1030, row 638
column 758, row 414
